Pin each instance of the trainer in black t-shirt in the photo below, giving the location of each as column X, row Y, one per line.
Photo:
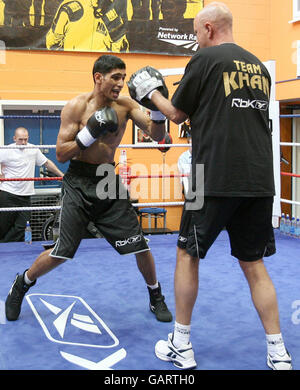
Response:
column 225, row 92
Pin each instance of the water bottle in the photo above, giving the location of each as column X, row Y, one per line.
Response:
column 297, row 233
column 293, row 227
column 28, row 233
column 282, row 223
column 123, row 157
column 124, row 170
column 287, row 224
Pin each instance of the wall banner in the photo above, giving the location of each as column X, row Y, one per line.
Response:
column 132, row 26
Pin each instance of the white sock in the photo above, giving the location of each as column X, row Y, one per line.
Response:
column 181, row 334
column 154, row 286
column 275, row 344
column 26, row 279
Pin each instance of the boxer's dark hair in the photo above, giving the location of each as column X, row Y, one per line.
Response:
column 106, row 63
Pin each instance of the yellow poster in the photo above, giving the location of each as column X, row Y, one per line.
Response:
column 145, row 26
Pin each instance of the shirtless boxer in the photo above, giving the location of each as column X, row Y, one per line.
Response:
column 92, row 127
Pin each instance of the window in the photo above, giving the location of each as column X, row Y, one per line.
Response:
column 296, row 10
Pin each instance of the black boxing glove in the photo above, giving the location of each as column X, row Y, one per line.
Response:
column 166, row 140
column 100, row 123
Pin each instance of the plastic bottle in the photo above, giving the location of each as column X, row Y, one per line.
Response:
column 123, row 157
column 287, row 224
column 124, row 169
column 282, row 223
column 297, row 233
column 28, row 234
column 293, row 227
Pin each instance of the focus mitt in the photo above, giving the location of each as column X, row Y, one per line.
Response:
column 144, row 81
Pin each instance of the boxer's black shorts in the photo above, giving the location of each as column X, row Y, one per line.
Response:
column 115, row 218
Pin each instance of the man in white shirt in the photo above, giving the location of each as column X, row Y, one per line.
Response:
column 184, row 165
column 19, row 163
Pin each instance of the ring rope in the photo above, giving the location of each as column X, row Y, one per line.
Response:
column 123, row 176
column 289, row 174
column 154, row 176
column 144, row 146
column 290, row 202
column 32, row 179
column 29, row 117
column 139, row 146
column 40, row 208
column 289, row 116
column 27, row 146
column 289, row 143
column 58, row 116
column 156, row 204
column 43, row 208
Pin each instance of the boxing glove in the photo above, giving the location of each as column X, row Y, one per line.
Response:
column 166, row 140
column 100, row 123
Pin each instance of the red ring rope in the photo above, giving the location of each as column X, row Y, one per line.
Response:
column 155, row 176
column 289, row 174
column 60, row 178
column 32, row 179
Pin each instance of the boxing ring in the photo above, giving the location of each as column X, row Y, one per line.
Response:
column 92, row 312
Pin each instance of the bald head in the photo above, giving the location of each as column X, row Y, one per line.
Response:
column 218, row 14
column 21, row 136
column 213, row 25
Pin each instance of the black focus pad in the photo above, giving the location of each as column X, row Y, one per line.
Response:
column 142, row 82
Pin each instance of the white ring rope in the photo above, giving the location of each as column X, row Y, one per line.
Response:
column 143, row 146
column 289, row 143
column 290, row 202
column 43, row 208
column 27, row 146
column 139, row 146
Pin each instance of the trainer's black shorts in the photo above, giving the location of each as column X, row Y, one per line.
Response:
column 113, row 215
column 248, row 222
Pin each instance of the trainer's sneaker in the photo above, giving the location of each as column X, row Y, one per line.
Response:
column 280, row 362
column 157, row 305
column 182, row 357
column 15, row 297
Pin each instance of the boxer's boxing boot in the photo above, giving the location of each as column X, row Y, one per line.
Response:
column 158, row 306
column 15, row 297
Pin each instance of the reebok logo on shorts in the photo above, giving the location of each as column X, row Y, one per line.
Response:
column 129, row 241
